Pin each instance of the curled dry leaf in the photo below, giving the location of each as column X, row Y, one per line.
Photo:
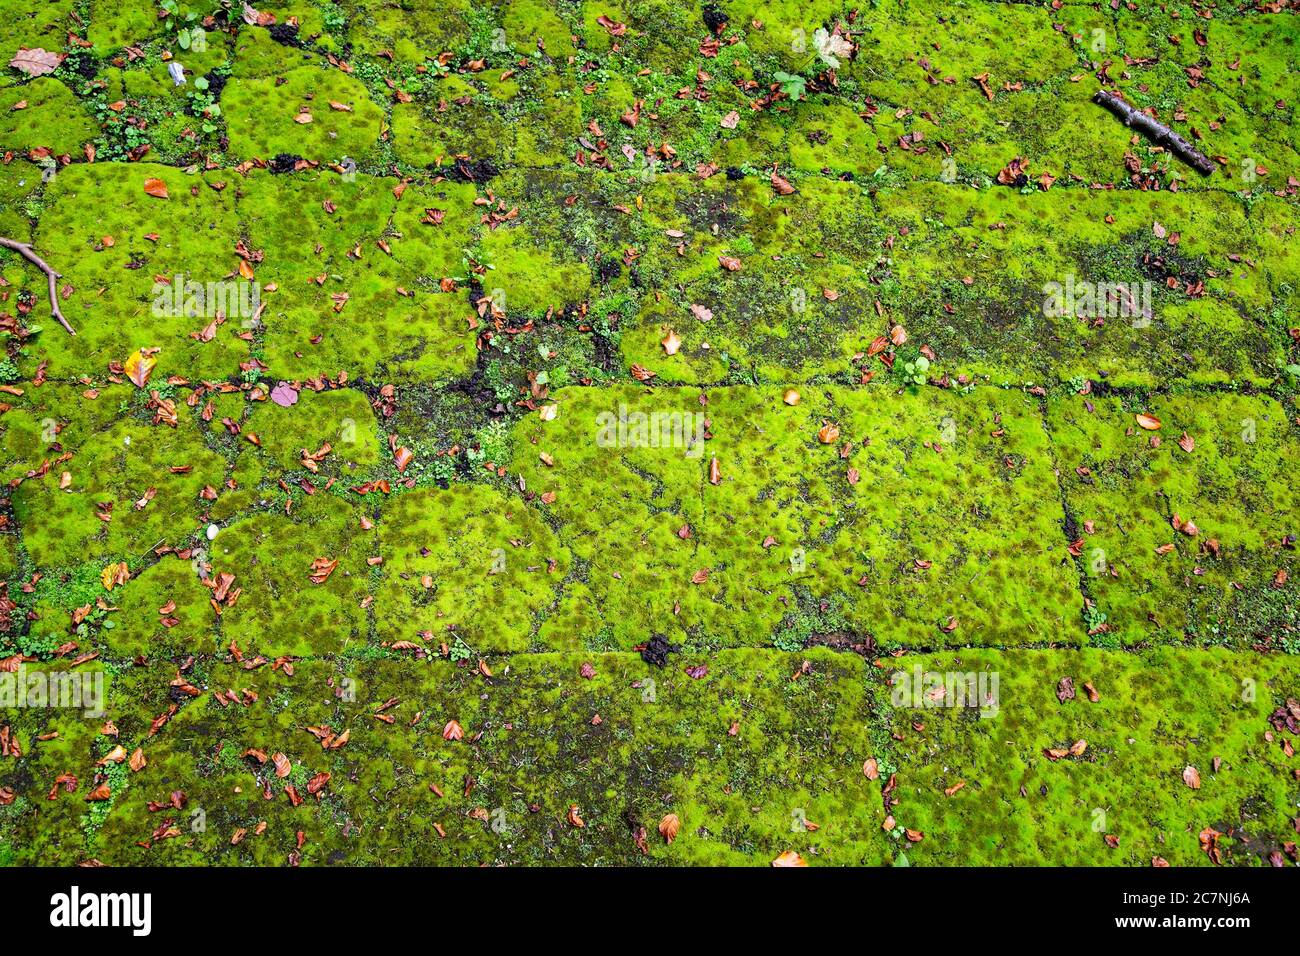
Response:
column 282, row 765
column 452, row 731
column 574, row 819
column 791, row 397
column 671, row 343
column 871, row 769
column 1149, row 422
column 1192, row 777
column 156, row 188
column 322, row 568
column 828, row 434
column 669, row 827
column 789, row 858
column 114, row 574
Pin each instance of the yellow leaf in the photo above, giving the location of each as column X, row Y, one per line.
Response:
column 139, row 367
column 114, row 574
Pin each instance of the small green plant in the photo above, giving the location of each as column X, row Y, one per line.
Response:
column 1093, row 617
column 204, row 105
column 914, row 372
column 491, row 444
column 792, row 85
column 334, row 18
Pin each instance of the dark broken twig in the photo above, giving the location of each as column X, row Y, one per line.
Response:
column 25, row 250
column 1156, row 131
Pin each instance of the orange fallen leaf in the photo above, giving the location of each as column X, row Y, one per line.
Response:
column 669, row 826
column 322, row 568
column 789, row 858
column 156, row 188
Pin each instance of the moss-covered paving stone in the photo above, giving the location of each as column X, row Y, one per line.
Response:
column 529, row 120
column 301, row 578
column 43, row 25
column 330, row 434
column 784, row 738
column 1003, row 758
column 69, row 726
column 412, row 31
column 141, row 271
column 900, row 519
column 1186, row 532
column 1142, row 288
column 39, row 424
column 43, row 113
column 316, row 112
column 355, row 267
column 466, row 565
column 127, row 490
column 762, row 286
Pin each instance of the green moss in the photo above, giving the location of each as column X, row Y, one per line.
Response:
column 124, row 474
column 118, row 23
column 1215, row 586
column 531, row 277
column 497, row 273
column 42, row 26
column 375, row 309
column 1157, row 714
column 786, row 514
column 142, row 629
column 52, row 118
column 530, row 745
column 280, row 610
column 342, row 419
column 465, row 563
column 411, row 31
column 113, row 293
column 263, row 116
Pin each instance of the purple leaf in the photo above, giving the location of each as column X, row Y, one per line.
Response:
column 284, row 395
